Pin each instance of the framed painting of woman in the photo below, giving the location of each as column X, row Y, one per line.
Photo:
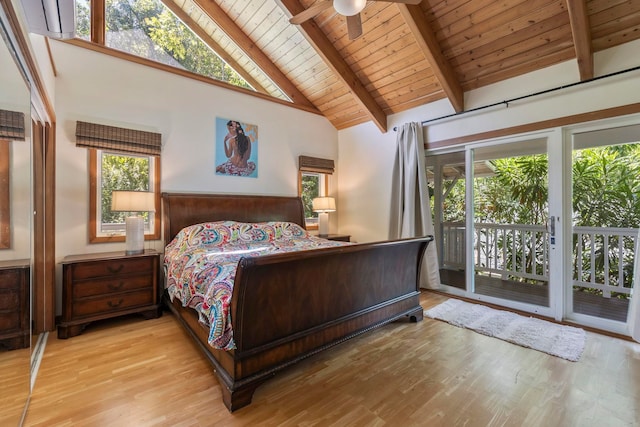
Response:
column 236, row 148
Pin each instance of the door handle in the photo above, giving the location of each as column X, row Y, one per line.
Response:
column 551, row 228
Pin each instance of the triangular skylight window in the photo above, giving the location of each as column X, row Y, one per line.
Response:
column 147, row 28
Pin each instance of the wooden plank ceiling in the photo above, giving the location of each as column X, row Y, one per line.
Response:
column 408, row 55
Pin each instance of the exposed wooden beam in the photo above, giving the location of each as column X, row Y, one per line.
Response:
column 235, row 33
column 184, row 17
column 336, row 62
column 426, row 39
column 581, row 32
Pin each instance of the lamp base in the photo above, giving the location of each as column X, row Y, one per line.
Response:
column 323, row 224
column 136, row 252
column 134, row 235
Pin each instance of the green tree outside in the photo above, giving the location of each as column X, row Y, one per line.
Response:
column 122, row 172
column 310, row 190
column 606, row 193
column 169, row 35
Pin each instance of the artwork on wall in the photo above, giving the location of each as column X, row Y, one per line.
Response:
column 236, row 148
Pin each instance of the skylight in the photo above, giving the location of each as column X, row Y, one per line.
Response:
column 147, row 28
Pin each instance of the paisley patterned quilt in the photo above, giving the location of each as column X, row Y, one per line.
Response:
column 200, row 265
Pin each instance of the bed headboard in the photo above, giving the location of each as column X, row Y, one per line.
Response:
column 182, row 209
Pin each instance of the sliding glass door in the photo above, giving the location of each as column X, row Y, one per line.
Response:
column 494, row 234
column 545, row 223
column 605, row 210
column 510, row 213
column 446, row 174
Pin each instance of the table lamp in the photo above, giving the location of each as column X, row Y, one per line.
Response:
column 133, row 202
column 323, row 205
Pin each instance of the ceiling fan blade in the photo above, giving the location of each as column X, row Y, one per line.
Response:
column 354, row 26
column 307, row 14
column 402, row 1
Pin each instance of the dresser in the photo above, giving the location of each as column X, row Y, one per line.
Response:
column 105, row 285
column 14, row 304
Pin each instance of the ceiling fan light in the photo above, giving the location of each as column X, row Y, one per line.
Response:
column 349, row 7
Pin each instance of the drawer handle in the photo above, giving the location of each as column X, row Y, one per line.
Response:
column 115, row 270
column 115, row 304
column 116, row 287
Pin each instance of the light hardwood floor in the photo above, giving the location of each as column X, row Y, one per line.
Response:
column 14, row 385
column 134, row 372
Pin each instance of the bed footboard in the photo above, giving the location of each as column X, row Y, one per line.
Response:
column 286, row 307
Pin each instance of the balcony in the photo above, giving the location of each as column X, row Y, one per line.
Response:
column 511, row 262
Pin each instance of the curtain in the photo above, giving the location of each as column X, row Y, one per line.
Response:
column 633, row 316
column 410, row 206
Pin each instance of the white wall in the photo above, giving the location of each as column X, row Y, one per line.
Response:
column 365, row 190
column 98, row 88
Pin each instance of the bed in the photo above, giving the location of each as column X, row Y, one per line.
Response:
column 288, row 306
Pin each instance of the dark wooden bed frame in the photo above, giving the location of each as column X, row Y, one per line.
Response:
column 286, row 307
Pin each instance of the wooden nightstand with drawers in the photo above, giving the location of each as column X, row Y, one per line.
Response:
column 338, row 237
column 15, row 300
column 104, row 285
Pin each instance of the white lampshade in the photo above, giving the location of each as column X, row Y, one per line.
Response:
column 349, row 7
column 133, row 201
column 324, row 204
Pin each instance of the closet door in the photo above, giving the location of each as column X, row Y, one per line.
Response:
column 15, row 236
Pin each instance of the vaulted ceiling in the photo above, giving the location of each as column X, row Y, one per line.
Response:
column 408, row 55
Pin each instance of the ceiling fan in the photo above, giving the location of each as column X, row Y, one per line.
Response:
column 348, row 8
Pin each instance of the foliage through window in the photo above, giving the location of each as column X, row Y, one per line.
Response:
column 605, row 194
column 311, row 185
column 147, row 28
column 115, row 171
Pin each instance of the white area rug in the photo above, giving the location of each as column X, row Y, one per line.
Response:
column 558, row 340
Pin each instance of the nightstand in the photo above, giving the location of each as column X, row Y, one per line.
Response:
column 105, row 285
column 339, row 237
column 15, row 301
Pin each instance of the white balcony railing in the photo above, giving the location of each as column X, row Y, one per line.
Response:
column 603, row 257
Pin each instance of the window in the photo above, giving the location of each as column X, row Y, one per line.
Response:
column 147, row 28
column 119, row 171
column 313, row 181
column 12, row 128
column 311, row 185
column 5, row 200
column 119, row 159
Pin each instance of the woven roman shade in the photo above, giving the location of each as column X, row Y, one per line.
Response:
column 315, row 164
column 12, row 125
column 91, row 135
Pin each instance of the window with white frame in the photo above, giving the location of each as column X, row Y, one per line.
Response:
column 117, row 172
